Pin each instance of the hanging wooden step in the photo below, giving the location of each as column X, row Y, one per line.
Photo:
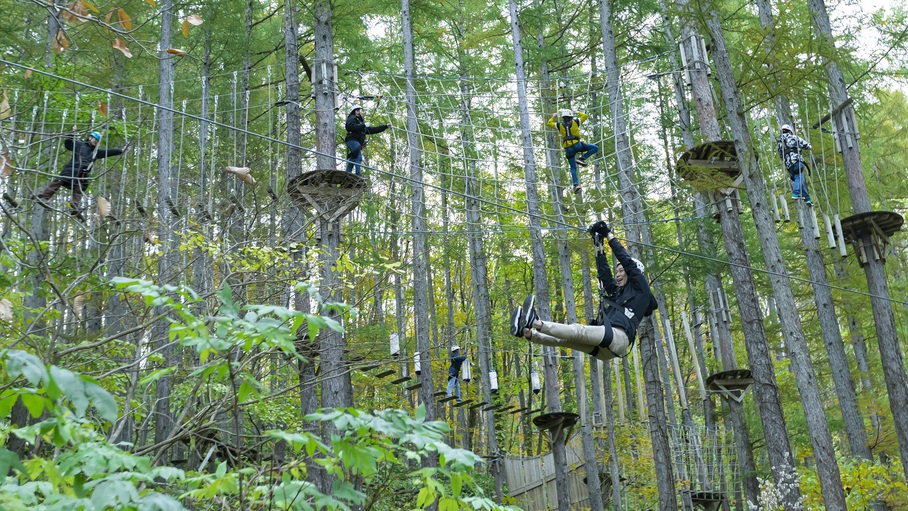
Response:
column 385, row 373
column 369, row 367
column 532, row 412
column 446, row 399
column 402, row 379
column 479, row 404
column 463, row 403
column 440, row 393
column 414, row 386
column 519, row 410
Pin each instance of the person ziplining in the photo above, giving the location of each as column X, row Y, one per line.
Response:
column 569, row 129
column 789, row 149
column 76, row 171
column 625, row 300
column 356, row 137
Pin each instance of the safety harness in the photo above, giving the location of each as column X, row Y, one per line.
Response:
column 608, row 336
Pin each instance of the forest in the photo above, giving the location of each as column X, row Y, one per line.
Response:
column 243, row 309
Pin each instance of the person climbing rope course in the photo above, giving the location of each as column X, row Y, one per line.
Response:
column 569, row 129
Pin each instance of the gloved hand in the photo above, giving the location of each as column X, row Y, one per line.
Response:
column 600, row 228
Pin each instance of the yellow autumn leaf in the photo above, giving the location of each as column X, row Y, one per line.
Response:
column 151, row 3
column 185, row 28
column 120, row 45
column 176, row 51
column 125, row 20
column 102, row 108
column 109, row 16
column 88, row 4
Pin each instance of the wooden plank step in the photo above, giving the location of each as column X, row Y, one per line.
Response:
column 446, row 399
column 414, row 386
column 440, row 393
column 477, row 405
column 463, row 403
column 401, row 379
column 369, row 367
column 525, row 408
column 385, row 373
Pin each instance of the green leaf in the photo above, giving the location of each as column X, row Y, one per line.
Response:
column 104, row 403
column 247, row 388
column 7, row 401
column 114, row 494
column 26, row 364
column 34, row 403
column 8, row 460
column 73, row 388
column 156, row 375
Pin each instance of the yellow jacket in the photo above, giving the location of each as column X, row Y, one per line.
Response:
column 574, row 137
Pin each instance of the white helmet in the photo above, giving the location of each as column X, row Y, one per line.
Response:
column 355, row 108
column 638, row 264
column 565, row 113
column 455, row 348
column 787, row 127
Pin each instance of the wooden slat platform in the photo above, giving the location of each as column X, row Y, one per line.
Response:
column 401, row 379
column 385, row 373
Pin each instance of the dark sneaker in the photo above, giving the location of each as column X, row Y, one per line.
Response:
column 808, row 201
column 517, row 322
column 582, row 162
column 577, row 189
column 529, row 312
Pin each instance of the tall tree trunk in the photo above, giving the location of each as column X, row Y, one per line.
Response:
column 169, row 263
column 323, row 81
column 540, row 278
column 799, row 351
column 418, row 205
column 766, row 390
column 846, row 133
column 633, row 218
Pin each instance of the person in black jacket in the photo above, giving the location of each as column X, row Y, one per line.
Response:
column 356, row 137
column 457, row 361
column 625, row 300
column 76, row 170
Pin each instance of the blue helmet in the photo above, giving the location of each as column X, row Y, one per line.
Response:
column 96, row 135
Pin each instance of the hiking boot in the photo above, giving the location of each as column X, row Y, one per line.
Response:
column 517, row 324
column 582, row 162
column 529, row 312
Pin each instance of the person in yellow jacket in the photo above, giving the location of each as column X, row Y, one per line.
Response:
column 569, row 129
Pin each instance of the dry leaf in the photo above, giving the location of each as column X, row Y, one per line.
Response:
column 61, row 43
column 6, row 310
column 28, row 72
column 102, row 108
column 148, row 237
column 125, row 21
column 119, row 45
column 6, row 165
column 108, row 17
column 194, row 19
column 88, row 4
column 151, row 2
column 76, row 12
column 78, row 304
column 103, row 207
column 185, row 28
column 5, row 110
column 176, row 51
column 242, row 173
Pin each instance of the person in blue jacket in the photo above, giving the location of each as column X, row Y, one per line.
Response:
column 76, row 170
column 625, row 300
column 356, row 137
column 457, row 361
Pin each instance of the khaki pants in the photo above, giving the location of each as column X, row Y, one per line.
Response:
column 581, row 338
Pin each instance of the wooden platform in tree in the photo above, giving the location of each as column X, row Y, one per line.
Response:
column 884, row 223
column 710, row 166
column 331, row 193
column 730, row 383
column 552, row 420
column 708, row 500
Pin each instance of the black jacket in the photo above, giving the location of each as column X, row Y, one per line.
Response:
column 456, row 362
column 79, row 166
column 357, row 129
column 636, row 297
